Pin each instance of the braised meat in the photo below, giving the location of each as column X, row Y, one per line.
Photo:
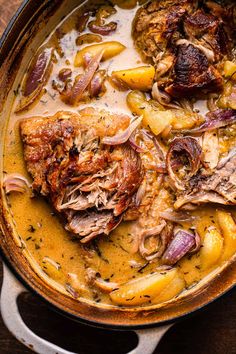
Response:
column 220, row 187
column 192, row 73
column 184, row 40
column 90, row 183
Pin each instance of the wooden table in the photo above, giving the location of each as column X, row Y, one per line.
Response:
column 212, row 331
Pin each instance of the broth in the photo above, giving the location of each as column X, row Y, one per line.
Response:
column 57, row 255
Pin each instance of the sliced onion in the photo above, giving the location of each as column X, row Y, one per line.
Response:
column 52, row 262
column 71, row 291
column 134, row 145
column 124, row 136
column 154, row 231
column 96, row 85
column 80, row 85
column 225, row 159
column 175, row 216
column 36, row 79
column 15, row 183
column 162, row 97
column 105, row 286
column 101, row 29
column 197, row 246
column 214, row 120
column 192, row 150
column 180, row 245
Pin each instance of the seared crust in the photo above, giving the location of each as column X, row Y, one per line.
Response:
column 91, row 184
column 160, row 26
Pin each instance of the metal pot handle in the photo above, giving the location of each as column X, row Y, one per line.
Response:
column 12, row 288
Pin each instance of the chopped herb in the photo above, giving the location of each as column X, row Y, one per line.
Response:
column 148, row 296
column 37, row 247
column 130, row 298
column 31, row 228
column 29, row 238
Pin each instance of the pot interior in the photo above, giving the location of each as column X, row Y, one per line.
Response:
column 16, row 53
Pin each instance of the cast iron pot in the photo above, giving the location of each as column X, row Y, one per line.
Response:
column 32, row 18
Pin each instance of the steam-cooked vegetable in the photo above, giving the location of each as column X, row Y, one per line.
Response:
column 176, row 286
column 211, row 248
column 140, row 78
column 230, row 69
column 109, row 49
column 153, row 118
column 228, row 227
column 144, row 289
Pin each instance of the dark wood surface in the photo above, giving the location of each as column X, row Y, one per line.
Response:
column 211, row 331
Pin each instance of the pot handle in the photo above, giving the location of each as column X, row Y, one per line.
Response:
column 12, row 288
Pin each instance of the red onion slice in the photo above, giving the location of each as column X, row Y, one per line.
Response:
column 101, row 29
column 191, row 150
column 124, row 136
column 214, row 120
column 180, row 245
column 74, row 95
column 36, row 79
column 15, row 183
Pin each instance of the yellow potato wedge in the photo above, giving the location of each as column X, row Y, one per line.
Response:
column 153, row 117
column 110, row 50
column 212, row 248
column 230, row 69
column 140, row 78
column 144, row 289
column 228, row 227
column 173, row 289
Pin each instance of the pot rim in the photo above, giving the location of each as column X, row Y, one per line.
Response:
column 127, row 327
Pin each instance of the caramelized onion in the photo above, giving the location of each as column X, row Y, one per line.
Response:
column 124, row 136
column 75, row 93
column 175, row 216
column 180, row 245
column 15, row 183
column 225, row 159
column 103, row 30
column 214, row 120
column 190, row 149
column 154, row 231
column 36, row 79
column 162, row 97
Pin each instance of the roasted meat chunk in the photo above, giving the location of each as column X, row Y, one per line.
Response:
column 192, row 73
column 91, row 184
column 184, row 40
column 220, row 187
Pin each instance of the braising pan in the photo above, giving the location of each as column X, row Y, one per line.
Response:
column 32, row 22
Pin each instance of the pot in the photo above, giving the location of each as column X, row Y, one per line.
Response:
column 24, row 33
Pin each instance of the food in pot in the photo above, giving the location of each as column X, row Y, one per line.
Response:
column 119, row 162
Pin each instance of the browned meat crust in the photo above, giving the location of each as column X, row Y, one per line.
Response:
column 89, row 183
column 192, row 73
column 160, row 26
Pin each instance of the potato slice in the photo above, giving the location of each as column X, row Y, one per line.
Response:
column 212, row 248
column 173, row 289
column 153, row 117
column 228, row 227
column 140, row 78
column 110, row 50
column 139, row 291
column 230, row 69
